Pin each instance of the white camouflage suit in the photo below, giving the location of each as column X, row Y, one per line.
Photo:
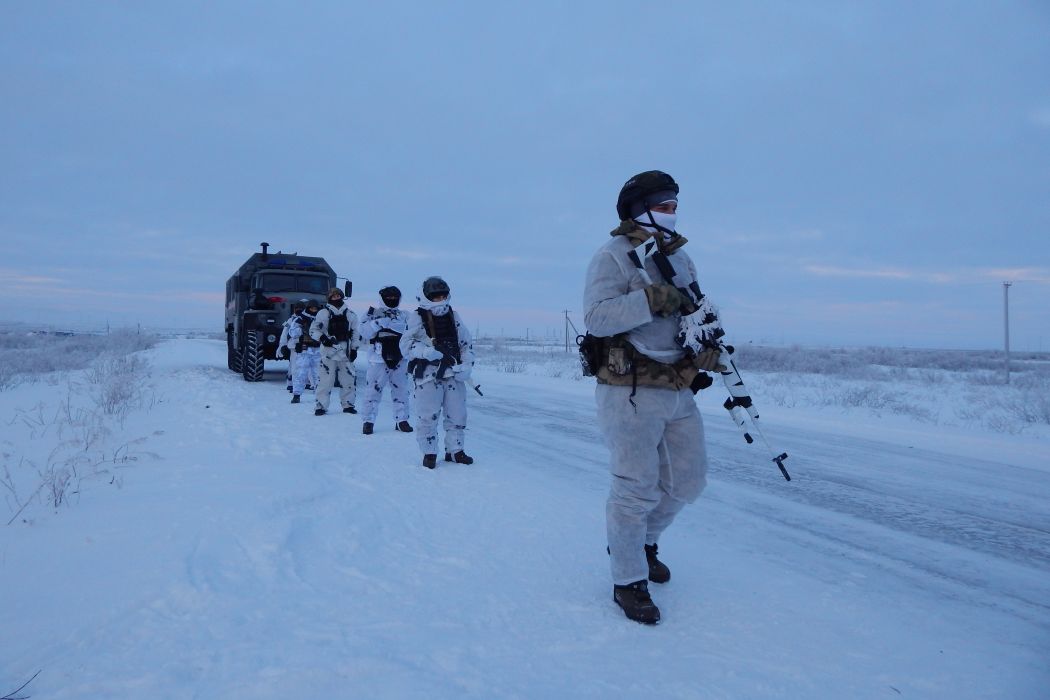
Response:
column 432, row 395
column 658, row 457
column 283, row 343
column 307, row 362
column 335, row 360
column 383, row 319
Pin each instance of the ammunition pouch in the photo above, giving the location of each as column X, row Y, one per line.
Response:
column 389, row 347
column 616, row 362
column 418, row 367
column 590, row 353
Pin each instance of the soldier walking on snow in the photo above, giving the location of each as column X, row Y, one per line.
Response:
column 646, row 382
column 382, row 328
column 440, row 358
column 306, row 349
column 287, row 345
column 336, row 329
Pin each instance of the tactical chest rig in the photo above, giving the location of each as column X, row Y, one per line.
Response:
column 389, row 342
column 442, row 331
column 305, row 340
column 339, row 324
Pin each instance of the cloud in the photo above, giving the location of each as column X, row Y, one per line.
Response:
column 1041, row 117
column 17, row 279
column 426, row 255
column 1038, row 275
column 799, row 236
column 406, row 253
column 878, row 273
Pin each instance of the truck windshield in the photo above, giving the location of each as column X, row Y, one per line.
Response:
column 315, row 284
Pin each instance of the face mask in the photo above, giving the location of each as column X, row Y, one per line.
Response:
column 667, row 221
column 438, row 308
column 336, row 302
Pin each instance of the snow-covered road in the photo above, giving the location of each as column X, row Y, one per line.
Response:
column 255, row 551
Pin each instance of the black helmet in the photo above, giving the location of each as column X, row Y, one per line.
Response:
column 391, row 296
column 643, row 191
column 434, row 286
column 313, row 304
column 300, row 305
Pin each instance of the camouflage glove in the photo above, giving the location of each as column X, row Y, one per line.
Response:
column 663, row 299
column 327, row 341
column 708, row 360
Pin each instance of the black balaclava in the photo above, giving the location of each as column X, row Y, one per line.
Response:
column 391, row 296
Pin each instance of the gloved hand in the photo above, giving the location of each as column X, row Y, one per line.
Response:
column 285, row 352
column 432, row 354
column 701, row 381
column 327, row 341
column 663, row 299
column 462, row 371
column 709, row 360
column 299, row 346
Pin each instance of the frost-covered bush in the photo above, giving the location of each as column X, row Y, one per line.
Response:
column 858, row 363
column 529, row 358
column 118, row 381
column 80, row 429
column 26, row 357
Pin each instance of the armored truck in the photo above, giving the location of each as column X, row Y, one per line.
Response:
column 259, row 299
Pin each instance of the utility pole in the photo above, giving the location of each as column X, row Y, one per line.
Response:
column 1006, row 327
column 566, row 312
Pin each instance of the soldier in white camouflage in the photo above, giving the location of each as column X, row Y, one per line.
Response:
column 382, row 328
column 440, row 357
column 646, row 383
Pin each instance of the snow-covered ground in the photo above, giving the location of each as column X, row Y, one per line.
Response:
column 218, row 542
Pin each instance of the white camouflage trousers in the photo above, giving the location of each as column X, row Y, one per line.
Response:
column 658, row 465
column 306, row 368
column 290, row 374
column 433, row 397
column 379, row 376
column 336, row 365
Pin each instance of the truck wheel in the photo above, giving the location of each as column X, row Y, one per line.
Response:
column 252, row 362
column 233, row 358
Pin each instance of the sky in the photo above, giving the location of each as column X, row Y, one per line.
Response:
column 864, row 173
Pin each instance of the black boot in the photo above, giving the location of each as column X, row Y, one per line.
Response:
column 461, row 457
column 430, row 461
column 319, row 411
column 295, row 398
column 350, row 409
column 403, row 427
column 366, row 428
column 636, row 604
column 658, row 571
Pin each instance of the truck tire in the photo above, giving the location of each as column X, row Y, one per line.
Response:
column 253, row 359
column 233, row 358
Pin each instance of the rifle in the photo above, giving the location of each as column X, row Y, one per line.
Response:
column 701, row 331
column 469, row 381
